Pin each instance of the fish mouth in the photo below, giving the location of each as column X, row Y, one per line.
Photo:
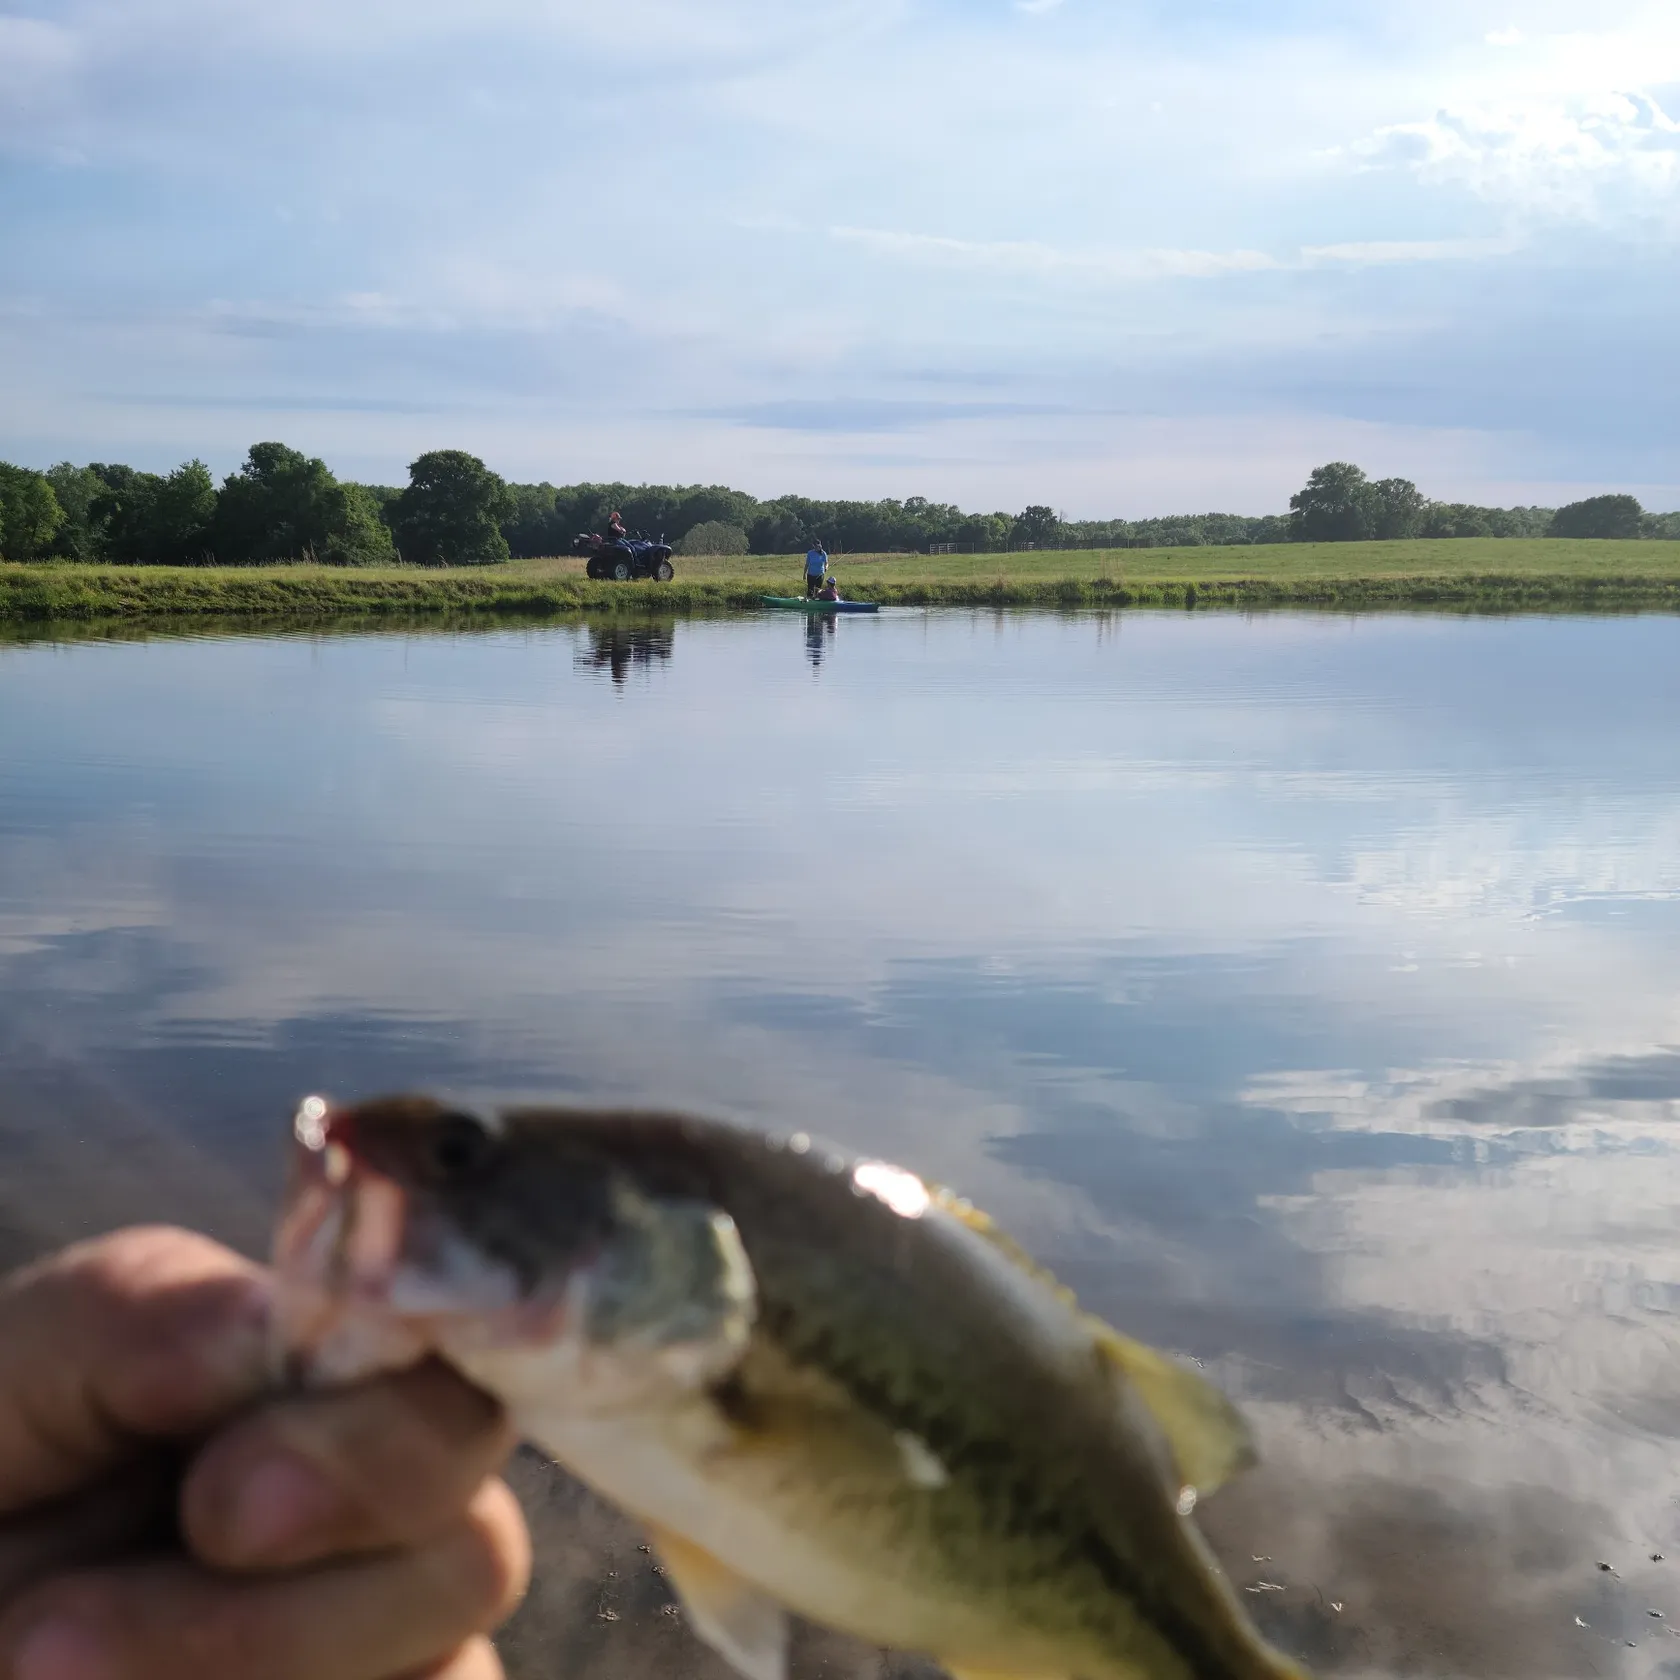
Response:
column 382, row 1260
column 368, row 1277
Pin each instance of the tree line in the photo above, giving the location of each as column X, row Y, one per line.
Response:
column 282, row 505
column 1340, row 503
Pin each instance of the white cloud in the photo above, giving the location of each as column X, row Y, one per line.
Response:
column 834, row 200
column 1032, row 257
column 1572, row 123
column 1367, row 252
column 1595, row 157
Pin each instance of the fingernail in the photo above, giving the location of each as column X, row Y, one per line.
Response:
column 281, row 1503
column 62, row 1650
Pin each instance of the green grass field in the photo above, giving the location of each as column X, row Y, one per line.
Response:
column 1469, row 574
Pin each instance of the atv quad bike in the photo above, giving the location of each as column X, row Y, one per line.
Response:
column 626, row 558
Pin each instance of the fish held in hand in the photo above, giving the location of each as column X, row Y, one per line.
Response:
column 822, row 1385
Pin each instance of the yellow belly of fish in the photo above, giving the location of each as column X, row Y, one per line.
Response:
column 843, row 1548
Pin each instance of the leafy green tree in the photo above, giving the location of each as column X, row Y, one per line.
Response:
column 982, row 533
column 284, row 505
column 673, row 511
column 80, row 537
column 714, row 536
column 382, row 498
column 29, row 514
column 778, row 530
column 1337, row 504
column 1397, row 508
column 364, row 538
column 1037, row 525
column 545, row 519
column 186, row 504
column 1599, row 516
column 153, row 521
column 451, row 512
column 1455, row 519
column 533, row 525
column 1463, row 519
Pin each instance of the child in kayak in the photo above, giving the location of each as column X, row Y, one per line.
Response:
column 830, row 590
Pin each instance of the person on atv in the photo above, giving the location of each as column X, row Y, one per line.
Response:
column 615, row 531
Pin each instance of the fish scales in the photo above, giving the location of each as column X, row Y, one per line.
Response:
column 890, row 1326
column 910, row 1401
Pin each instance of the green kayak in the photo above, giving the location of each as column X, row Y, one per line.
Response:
column 799, row 603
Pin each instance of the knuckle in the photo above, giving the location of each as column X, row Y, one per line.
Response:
column 184, row 1319
column 219, row 1635
column 405, row 1450
column 86, row 1600
column 113, row 1271
column 158, row 1625
column 448, row 1408
column 493, row 1555
column 476, row 1660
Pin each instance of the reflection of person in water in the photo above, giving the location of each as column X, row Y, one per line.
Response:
column 817, row 627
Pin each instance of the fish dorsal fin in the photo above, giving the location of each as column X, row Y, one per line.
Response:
column 1205, row 1433
column 742, row 1624
column 983, row 1225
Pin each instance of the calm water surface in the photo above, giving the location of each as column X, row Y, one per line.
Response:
column 1305, row 990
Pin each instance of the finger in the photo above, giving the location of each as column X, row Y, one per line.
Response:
column 476, row 1660
column 388, row 1463
column 129, row 1512
column 150, row 1333
column 403, row 1614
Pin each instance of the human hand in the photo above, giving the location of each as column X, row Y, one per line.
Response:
column 354, row 1535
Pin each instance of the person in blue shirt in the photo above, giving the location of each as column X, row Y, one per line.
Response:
column 816, row 563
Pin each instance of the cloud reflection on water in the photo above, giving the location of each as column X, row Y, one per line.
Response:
column 1244, row 967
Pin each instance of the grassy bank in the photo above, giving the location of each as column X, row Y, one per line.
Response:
column 1473, row 573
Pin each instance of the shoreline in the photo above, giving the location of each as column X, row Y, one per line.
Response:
column 1617, row 577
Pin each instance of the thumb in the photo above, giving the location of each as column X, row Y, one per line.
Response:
column 145, row 1335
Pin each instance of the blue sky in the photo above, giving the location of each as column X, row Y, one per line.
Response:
column 1124, row 258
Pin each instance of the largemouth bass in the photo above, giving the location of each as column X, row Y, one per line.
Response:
column 821, row 1384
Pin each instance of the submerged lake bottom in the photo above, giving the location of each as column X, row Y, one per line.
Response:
column 1304, row 990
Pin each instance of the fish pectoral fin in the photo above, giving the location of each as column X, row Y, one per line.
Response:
column 742, row 1624
column 1205, row 1433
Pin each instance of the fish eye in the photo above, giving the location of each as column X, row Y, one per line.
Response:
column 461, row 1144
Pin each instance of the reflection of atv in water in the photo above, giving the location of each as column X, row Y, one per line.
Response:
column 620, row 648
column 624, row 558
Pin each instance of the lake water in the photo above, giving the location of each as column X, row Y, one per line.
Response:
column 1306, row 990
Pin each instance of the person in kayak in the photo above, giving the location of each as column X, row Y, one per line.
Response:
column 830, row 590
column 816, row 564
